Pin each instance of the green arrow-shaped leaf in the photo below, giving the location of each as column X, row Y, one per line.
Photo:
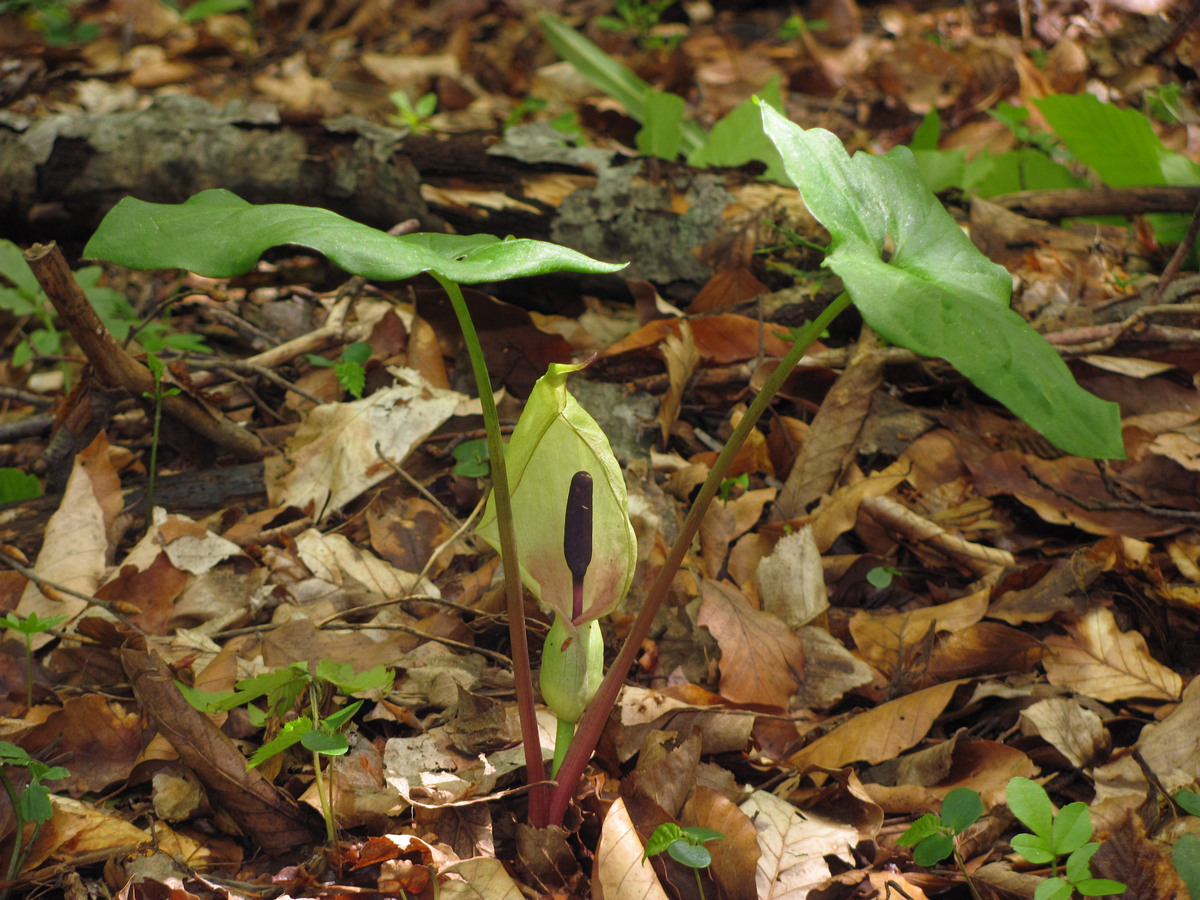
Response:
column 218, row 234
column 937, row 294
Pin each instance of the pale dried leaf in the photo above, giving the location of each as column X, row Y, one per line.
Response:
column 794, row 845
column 1100, row 661
column 620, row 872
column 332, row 459
column 483, row 879
column 830, row 670
column 791, row 581
column 74, row 551
column 1075, row 732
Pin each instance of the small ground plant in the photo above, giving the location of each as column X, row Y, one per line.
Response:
column 685, row 845
column 280, row 690
column 27, row 627
column 31, row 804
column 1051, row 836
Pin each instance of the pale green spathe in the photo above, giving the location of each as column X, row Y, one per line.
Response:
column 555, row 438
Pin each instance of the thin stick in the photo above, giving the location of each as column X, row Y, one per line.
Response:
column 1181, row 252
column 63, row 589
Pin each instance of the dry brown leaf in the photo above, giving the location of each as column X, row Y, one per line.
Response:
column 721, row 339
column 762, row 662
column 620, row 872
column 81, row 833
column 725, row 521
column 839, row 511
column 1075, row 732
column 665, row 774
column 1099, row 660
column 884, row 640
column 880, row 733
column 833, row 435
column 98, row 740
column 269, row 817
column 983, row 766
column 793, row 846
column 735, row 856
column 681, row 356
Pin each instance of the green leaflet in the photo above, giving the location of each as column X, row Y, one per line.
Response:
column 937, row 295
column 555, row 438
column 218, row 234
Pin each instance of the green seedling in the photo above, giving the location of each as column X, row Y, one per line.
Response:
column 932, row 836
column 53, row 20
column 1052, row 836
column 471, row 459
column 280, row 689
column 31, row 804
column 205, row 9
column 157, row 370
column 414, row 115
column 795, row 25
column 931, row 291
column 881, row 577
column 640, row 17
column 524, row 109
column 735, row 140
column 727, row 486
column 350, row 367
column 25, row 298
column 1165, row 103
column 28, row 627
column 685, row 845
column 17, row 485
column 1185, row 855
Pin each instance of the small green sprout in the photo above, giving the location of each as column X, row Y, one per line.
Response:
column 414, row 115
column 1065, row 834
column 881, row 577
column 685, row 845
column 27, row 628
column 471, row 459
column 350, row 368
column 31, row 804
column 727, row 486
column 281, row 689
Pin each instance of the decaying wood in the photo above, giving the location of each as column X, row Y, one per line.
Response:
column 114, row 366
column 1101, row 201
column 60, row 174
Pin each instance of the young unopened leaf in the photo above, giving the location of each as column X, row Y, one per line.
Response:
column 291, row 734
column 218, row 234
column 926, row 826
column 936, row 294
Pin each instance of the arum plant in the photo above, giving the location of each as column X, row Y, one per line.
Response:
column 579, row 563
column 931, row 291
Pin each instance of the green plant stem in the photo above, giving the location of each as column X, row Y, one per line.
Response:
column 962, row 867
column 29, row 671
column 590, row 726
column 562, row 742
column 326, row 802
column 535, row 769
column 699, row 884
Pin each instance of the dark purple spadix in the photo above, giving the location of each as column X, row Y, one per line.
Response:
column 577, row 530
